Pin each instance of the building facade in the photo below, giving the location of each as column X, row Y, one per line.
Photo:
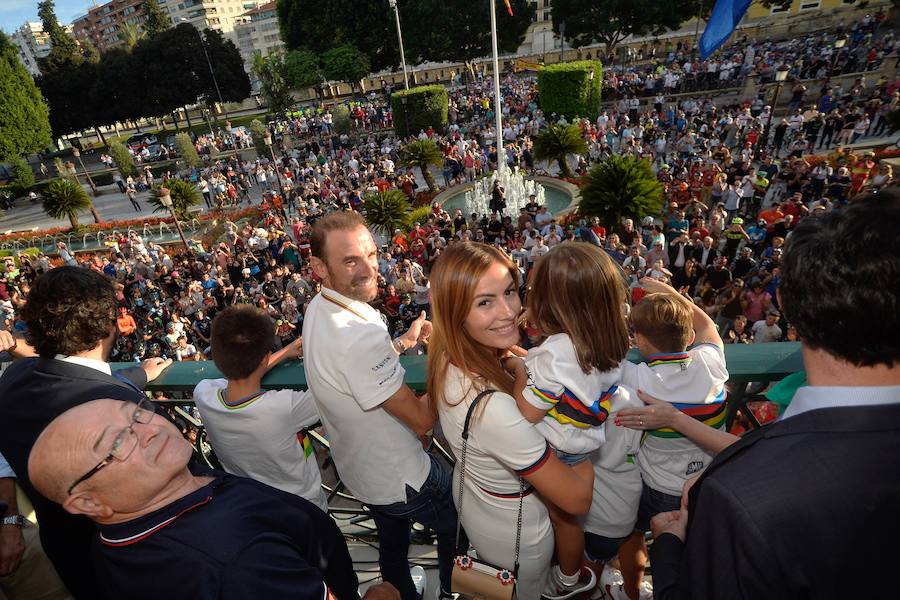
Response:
column 103, row 24
column 33, row 44
column 221, row 15
column 540, row 39
column 257, row 31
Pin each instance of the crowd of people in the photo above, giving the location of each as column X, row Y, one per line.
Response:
column 526, row 321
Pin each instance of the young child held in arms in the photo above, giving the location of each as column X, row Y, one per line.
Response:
column 255, row 433
column 566, row 385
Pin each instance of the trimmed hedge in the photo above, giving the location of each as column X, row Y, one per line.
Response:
column 426, row 106
column 566, row 89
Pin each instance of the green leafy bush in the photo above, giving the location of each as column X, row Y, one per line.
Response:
column 621, row 186
column 123, row 159
column 567, row 89
column 187, row 150
column 426, row 106
column 386, row 211
column 340, row 117
column 24, row 174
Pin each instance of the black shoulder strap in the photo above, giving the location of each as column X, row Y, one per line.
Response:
column 465, row 432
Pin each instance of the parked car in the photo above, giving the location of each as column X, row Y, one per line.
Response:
column 139, row 141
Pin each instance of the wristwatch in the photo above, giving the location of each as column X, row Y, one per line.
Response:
column 17, row 520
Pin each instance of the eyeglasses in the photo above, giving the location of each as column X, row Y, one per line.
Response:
column 125, row 441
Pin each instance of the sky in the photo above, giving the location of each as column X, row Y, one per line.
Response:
column 15, row 12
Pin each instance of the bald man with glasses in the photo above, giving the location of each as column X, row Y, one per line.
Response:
column 166, row 532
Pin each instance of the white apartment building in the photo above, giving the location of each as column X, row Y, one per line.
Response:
column 221, row 15
column 258, row 32
column 33, row 44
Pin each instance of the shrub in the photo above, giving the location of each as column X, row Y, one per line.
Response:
column 558, row 141
column 64, row 198
column 386, row 211
column 621, row 186
column 426, row 106
column 340, row 117
column 258, row 132
column 102, row 179
column 422, row 153
column 123, row 159
column 419, row 215
column 185, row 147
column 24, row 174
column 567, row 90
column 184, row 196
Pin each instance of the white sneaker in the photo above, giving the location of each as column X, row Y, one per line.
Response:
column 419, row 579
column 613, row 584
column 556, row 590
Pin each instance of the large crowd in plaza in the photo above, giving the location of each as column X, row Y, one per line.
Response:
column 572, row 452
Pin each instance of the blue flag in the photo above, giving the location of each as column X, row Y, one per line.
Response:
column 726, row 14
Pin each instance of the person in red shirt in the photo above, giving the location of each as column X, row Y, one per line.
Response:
column 771, row 216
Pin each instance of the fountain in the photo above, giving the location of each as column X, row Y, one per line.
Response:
column 518, row 191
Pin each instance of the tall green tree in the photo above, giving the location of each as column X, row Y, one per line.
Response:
column 169, row 68
column 156, row 20
column 274, row 88
column 621, row 186
column 457, row 29
column 258, row 133
column 24, row 117
column 422, row 154
column 63, row 47
column 24, row 174
column 302, row 69
column 556, row 142
column 130, row 34
column 346, row 63
column 64, row 198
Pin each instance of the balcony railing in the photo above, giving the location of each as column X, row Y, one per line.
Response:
column 746, row 363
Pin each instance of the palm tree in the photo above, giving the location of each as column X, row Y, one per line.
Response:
column 386, row 211
column 422, row 153
column 184, row 196
column 558, row 141
column 65, row 198
column 621, row 186
column 131, row 35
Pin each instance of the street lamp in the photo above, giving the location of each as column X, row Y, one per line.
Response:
column 165, row 196
column 267, row 138
column 77, row 154
column 393, row 4
column 208, row 64
column 780, row 76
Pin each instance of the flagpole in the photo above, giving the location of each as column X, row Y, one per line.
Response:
column 498, row 110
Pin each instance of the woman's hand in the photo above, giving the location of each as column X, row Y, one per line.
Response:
column 656, row 415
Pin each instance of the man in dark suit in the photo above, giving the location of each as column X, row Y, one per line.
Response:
column 808, row 507
column 71, row 318
column 705, row 254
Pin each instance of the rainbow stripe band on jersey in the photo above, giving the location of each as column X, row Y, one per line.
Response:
column 241, row 403
column 672, row 358
column 712, row 414
column 569, row 410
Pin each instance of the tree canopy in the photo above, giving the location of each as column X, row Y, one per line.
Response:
column 611, row 21
column 24, row 117
column 63, row 47
column 459, row 29
column 273, row 86
column 161, row 74
column 345, row 63
column 301, row 69
column 156, row 20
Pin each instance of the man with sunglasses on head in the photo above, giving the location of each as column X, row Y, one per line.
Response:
column 71, row 317
column 126, row 468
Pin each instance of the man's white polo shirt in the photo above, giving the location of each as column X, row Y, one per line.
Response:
column 351, row 369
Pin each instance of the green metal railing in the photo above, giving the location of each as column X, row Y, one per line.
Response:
column 746, row 363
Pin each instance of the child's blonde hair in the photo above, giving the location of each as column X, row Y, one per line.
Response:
column 665, row 321
column 577, row 289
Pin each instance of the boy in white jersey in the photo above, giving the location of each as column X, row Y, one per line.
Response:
column 255, row 433
column 665, row 325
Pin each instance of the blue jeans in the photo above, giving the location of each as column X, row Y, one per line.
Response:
column 431, row 506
